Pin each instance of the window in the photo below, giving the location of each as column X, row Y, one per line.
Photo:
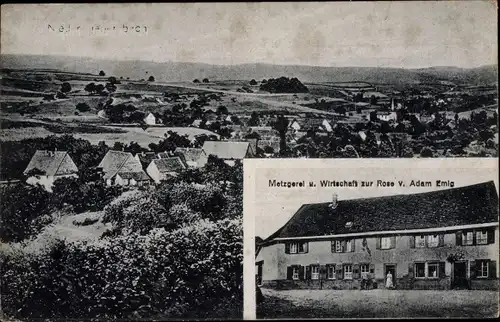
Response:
column 364, row 271
column 298, row 247
column 420, row 270
column 348, row 272
column 385, row 242
column 420, row 241
column 315, row 272
column 295, row 273
column 433, row 270
column 433, row 241
column 348, row 245
column 482, row 237
column 338, row 246
column 482, row 269
column 468, row 238
column 331, row 272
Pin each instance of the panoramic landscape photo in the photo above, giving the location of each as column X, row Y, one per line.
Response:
column 123, row 129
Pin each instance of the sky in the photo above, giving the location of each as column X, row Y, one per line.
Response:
column 273, row 207
column 365, row 34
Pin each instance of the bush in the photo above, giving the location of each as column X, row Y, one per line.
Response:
column 83, row 107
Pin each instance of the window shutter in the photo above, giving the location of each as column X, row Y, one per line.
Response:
column 393, row 241
column 287, row 248
column 340, row 272
column 344, row 246
column 372, row 269
column 355, row 271
column 442, row 271
column 306, row 247
column 412, row 241
column 301, row 272
column 410, row 270
column 474, row 237
column 377, row 246
column 458, row 236
column 289, row 273
column 333, row 246
column 353, row 245
column 472, row 269
column 441, row 240
column 491, row 236
column 492, row 269
column 308, row 272
column 322, row 271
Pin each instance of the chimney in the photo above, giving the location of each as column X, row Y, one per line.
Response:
column 334, row 202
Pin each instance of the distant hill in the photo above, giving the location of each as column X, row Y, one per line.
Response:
column 174, row 71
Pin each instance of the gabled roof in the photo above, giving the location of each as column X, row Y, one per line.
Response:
column 173, row 164
column 226, row 149
column 115, row 162
column 190, row 154
column 467, row 205
column 52, row 163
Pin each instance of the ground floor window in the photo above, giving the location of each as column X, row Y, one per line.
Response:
column 420, row 270
column 482, row 269
column 295, row 273
column 433, row 269
column 348, row 272
column 331, row 272
column 364, row 271
column 315, row 272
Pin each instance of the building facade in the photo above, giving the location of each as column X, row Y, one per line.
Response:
column 423, row 255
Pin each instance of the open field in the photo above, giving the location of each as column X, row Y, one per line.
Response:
column 377, row 304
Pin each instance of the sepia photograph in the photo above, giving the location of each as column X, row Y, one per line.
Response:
column 124, row 129
column 359, row 239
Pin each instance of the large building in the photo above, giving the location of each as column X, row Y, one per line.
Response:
column 434, row 240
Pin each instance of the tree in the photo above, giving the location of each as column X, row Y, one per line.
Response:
column 151, row 78
column 65, row 87
column 112, row 80
column 373, row 116
column 254, row 119
column 281, row 125
column 99, row 88
column 101, row 73
column 91, row 88
column 253, row 82
column 110, row 87
column 426, row 152
column 83, row 107
column 205, row 80
column 373, row 100
column 284, row 85
column 340, row 110
column 222, row 110
column 196, row 81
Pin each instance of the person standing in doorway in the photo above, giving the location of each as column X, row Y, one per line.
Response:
column 388, row 281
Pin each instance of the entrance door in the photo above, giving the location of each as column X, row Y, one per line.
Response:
column 460, row 275
column 390, row 268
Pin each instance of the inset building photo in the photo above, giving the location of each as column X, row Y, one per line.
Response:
column 406, row 254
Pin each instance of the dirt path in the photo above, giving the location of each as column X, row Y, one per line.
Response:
column 377, row 303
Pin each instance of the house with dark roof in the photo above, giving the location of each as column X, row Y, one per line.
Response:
column 162, row 169
column 45, row 167
column 122, row 168
column 434, row 240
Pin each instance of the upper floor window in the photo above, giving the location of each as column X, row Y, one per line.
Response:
column 343, row 246
column 433, row 241
column 348, row 272
column 482, row 237
column 420, row 241
column 315, row 272
column 385, row 242
column 296, row 248
column 468, row 238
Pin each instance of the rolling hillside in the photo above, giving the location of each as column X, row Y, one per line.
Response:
column 175, row 71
